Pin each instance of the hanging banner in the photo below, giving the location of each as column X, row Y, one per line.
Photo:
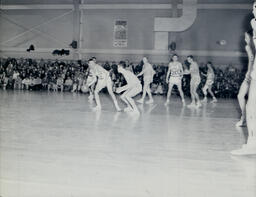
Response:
column 120, row 33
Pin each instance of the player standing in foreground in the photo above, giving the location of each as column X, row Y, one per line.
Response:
column 250, row 147
column 244, row 88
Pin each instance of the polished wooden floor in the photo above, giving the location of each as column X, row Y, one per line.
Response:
column 54, row 145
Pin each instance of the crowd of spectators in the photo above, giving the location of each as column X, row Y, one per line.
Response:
column 57, row 75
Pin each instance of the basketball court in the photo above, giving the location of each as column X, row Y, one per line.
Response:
column 53, row 144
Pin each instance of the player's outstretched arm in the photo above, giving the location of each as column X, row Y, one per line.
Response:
column 121, row 89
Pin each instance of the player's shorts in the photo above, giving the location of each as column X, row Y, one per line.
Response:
column 175, row 80
column 138, row 88
column 89, row 79
column 147, row 79
column 134, row 90
column 195, row 80
column 103, row 82
column 209, row 82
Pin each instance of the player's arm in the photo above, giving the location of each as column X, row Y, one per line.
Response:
column 168, row 73
column 203, row 74
column 250, row 57
column 153, row 71
column 94, row 79
column 249, row 52
column 181, row 70
column 123, row 88
column 253, row 24
column 186, row 72
column 142, row 72
column 248, row 48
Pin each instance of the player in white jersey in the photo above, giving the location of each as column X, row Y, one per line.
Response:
column 175, row 70
column 103, row 79
column 250, row 146
column 194, row 82
column 244, row 88
column 209, row 82
column 148, row 74
column 250, row 106
column 131, row 89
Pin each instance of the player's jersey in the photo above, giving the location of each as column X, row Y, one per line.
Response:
column 210, row 75
column 100, row 72
column 194, row 70
column 148, row 72
column 176, row 69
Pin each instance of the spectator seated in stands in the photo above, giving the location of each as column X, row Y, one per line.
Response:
column 60, row 82
column 44, row 83
column 18, row 83
column 27, row 73
column 36, row 83
column 26, row 82
column 4, row 80
column 77, row 82
column 52, row 83
column 68, row 85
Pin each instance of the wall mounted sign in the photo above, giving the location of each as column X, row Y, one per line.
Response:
column 120, row 33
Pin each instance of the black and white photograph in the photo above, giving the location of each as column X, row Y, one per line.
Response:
column 127, row 98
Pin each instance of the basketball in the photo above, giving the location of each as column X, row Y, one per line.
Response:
column 85, row 89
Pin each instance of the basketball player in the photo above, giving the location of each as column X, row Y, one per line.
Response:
column 131, row 89
column 92, row 86
column 194, row 82
column 148, row 74
column 250, row 146
column 104, row 80
column 250, row 106
column 209, row 82
column 175, row 70
column 244, row 88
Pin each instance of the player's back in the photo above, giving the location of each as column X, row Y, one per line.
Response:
column 210, row 74
column 148, row 70
column 130, row 78
column 100, row 71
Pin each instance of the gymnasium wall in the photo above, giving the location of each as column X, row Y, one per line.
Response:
column 209, row 27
